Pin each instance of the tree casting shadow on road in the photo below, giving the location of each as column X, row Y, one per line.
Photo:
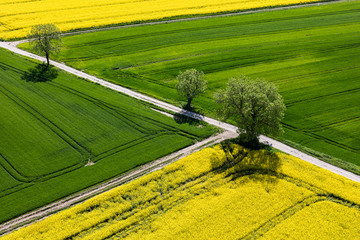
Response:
column 182, row 117
column 40, row 73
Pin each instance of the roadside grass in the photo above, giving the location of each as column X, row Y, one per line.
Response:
column 51, row 130
column 223, row 192
column 310, row 53
column 18, row 17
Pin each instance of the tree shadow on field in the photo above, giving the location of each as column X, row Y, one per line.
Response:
column 246, row 165
column 40, row 73
column 188, row 116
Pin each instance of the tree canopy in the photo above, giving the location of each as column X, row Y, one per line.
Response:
column 190, row 84
column 255, row 106
column 45, row 39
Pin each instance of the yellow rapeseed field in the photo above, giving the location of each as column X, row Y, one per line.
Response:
column 224, row 192
column 17, row 17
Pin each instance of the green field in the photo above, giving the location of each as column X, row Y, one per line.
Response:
column 311, row 54
column 50, row 130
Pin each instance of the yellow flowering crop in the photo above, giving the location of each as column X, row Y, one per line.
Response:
column 224, row 192
column 17, row 17
column 325, row 220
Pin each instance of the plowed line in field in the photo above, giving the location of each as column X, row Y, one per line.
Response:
column 52, row 127
column 319, row 73
column 333, row 124
column 11, row 170
column 282, row 217
column 350, row 91
column 154, row 22
column 125, row 115
column 304, row 51
column 89, row 8
column 47, row 122
column 292, row 211
column 67, row 9
column 322, row 138
column 276, row 144
column 134, row 174
column 321, row 195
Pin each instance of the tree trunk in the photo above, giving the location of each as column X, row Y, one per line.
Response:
column 188, row 105
column 47, row 59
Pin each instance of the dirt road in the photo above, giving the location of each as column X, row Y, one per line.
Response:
column 228, row 127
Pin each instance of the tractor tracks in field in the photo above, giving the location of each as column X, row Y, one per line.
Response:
column 177, row 110
column 230, row 132
column 71, row 200
column 201, row 17
column 12, row 46
column 214, row 15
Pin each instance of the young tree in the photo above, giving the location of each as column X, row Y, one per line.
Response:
column 190, row 84
column 255, row 105
column 45, row 39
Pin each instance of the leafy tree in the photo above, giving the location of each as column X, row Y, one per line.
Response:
column 45, row 39
column 190, row 84
column 255, row 105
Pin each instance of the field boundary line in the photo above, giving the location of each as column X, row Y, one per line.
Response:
column 205, row 16
column 81, row 196
column 12, row 46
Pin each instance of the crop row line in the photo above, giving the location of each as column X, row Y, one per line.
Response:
column 124, row 146
column 319, row 137
column 151, row 200
column 102, row 105
column 332, row 142
column 218, row 38
column 337, row 123
column 11, row 170
column 15, row 189
column 233, row 62
column 270, row 224
column 124, row 73
column 148, row 13
column 192, row 182
column 48, row 123
column 292, row 210
column 72, row 8
column 126, row 229
column 218, row 26
column 160, row 205
column 125, row 114
column 6, row 66
column 349, row 91
column 105, row 106
column 333, row 70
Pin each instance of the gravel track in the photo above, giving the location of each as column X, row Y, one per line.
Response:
column 228, row 127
